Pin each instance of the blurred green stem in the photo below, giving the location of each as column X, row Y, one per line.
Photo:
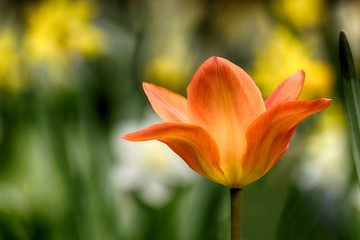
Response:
column 235, row 195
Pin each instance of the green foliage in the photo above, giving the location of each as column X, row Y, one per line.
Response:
column 352, row 96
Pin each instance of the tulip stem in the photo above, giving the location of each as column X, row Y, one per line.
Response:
column 235, row 195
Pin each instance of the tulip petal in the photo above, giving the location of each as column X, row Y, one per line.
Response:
column 192, row 143
column 169, row 106
column 269, row 135
column 289, row 90
column 224, row 100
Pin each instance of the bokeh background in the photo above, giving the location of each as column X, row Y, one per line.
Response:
column 70, row 86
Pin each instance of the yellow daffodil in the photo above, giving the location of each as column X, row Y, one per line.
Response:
column 281, row 56
column 9, row 61
column 58, row 29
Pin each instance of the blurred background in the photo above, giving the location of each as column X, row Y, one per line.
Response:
column 70, row 86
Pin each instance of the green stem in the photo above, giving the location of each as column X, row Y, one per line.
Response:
column 235, row 195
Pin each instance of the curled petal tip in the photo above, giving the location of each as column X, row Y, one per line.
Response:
column 217, row 60
column 328, row 101
column 145, row 85
column 289, row 90
column 133, row 136
column 302, row 74
column 126, row 137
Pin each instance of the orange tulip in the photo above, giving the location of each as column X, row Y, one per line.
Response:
column 224, row 130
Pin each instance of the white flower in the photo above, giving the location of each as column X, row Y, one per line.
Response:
column 148, row 168
column 324, row 164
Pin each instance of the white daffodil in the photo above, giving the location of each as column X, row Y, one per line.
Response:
column 323, row 165
column 147, row 168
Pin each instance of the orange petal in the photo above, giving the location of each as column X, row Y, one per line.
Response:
column 171, row 107
column 192, row 143
column 223, row 99
column 269, row 135
column 289, row 90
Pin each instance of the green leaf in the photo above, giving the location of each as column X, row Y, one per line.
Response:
column 352, row 96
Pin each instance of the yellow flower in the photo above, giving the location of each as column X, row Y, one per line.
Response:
column 9, row 61
column 301, row 13
column 58, row 29
column 168, row 72
column 281, row 56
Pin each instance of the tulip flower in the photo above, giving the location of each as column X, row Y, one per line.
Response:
column 224, row 130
